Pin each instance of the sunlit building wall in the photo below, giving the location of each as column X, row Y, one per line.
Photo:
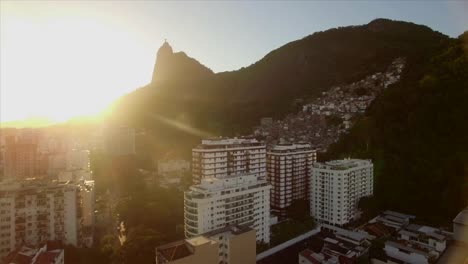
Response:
column 215, row 203
column 222, row 158
column 336, row 187
column 33, row 212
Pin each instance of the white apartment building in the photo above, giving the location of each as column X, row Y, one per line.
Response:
column 216, row 203
column 289, row 167
column 33, row 212
column 336, row 187
column 221, row 158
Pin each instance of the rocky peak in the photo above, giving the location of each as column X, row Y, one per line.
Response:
column 177, row 66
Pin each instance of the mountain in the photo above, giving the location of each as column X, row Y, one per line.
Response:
column 184, row 103
column 170, row 65
column 417, row 135
column 415, row 131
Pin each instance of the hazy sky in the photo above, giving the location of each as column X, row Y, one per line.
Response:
column 65, row 58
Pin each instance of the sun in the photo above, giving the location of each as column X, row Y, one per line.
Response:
column 64, row 63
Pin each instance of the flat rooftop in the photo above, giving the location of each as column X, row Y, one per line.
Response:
column 342, row 164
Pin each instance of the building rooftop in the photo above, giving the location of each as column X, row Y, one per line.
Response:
column 236, row 181
column 290, row 147
column 344, row 164
column 229, row 143
column 173, row 251
column 407, row 248
column 233, row 229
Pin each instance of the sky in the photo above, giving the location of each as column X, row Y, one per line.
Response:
column 61, row 59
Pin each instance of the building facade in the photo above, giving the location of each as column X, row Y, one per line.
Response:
column 230, row 245
column 20, row 158
column 215, row 203
column 289, row 167
column 222, row 158
column 336, row 187
column 33, row 212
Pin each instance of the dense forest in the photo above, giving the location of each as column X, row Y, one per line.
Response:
column 417, row 135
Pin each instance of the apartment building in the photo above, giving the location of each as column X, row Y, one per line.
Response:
column 336, row 187
column 240, row 199
column 20, row 158
column 228, row 245
column 222, row 158
column 33, row 212
column 289, row 167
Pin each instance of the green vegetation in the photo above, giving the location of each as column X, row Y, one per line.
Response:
column 152, row 215
column 417, row 135
column 289, row 229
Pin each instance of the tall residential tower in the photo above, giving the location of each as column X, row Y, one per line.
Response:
column 336, row 187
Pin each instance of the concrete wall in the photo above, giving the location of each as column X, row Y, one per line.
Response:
column 288, row 243
column 242, row 248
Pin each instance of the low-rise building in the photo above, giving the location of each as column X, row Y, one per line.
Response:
column 229, row 245
column 406, row 242
column 189, row 251
column 49, row 253
column 335, row 245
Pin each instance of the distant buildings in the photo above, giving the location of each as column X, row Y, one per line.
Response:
column 228, row 245
column 323, row 120
column 33, row 212
column 289, row 167
column 50, row 253
column 266, row 121
column 20, row 158
column 336, row 187
column 241, row 200
column 171, row 171
column 77, row 166
column 222, row 158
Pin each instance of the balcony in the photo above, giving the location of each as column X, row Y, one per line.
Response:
column 191, row 211
column 191, row 217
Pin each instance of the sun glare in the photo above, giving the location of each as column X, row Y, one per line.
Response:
column 60, row 67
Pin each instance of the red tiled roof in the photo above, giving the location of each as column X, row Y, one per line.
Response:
column 17, row 258
column 308, row 255
column 47, row 257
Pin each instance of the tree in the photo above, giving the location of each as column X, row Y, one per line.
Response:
column 140, row 246
column 298, row 210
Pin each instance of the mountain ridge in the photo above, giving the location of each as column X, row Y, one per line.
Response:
column 228, row 103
